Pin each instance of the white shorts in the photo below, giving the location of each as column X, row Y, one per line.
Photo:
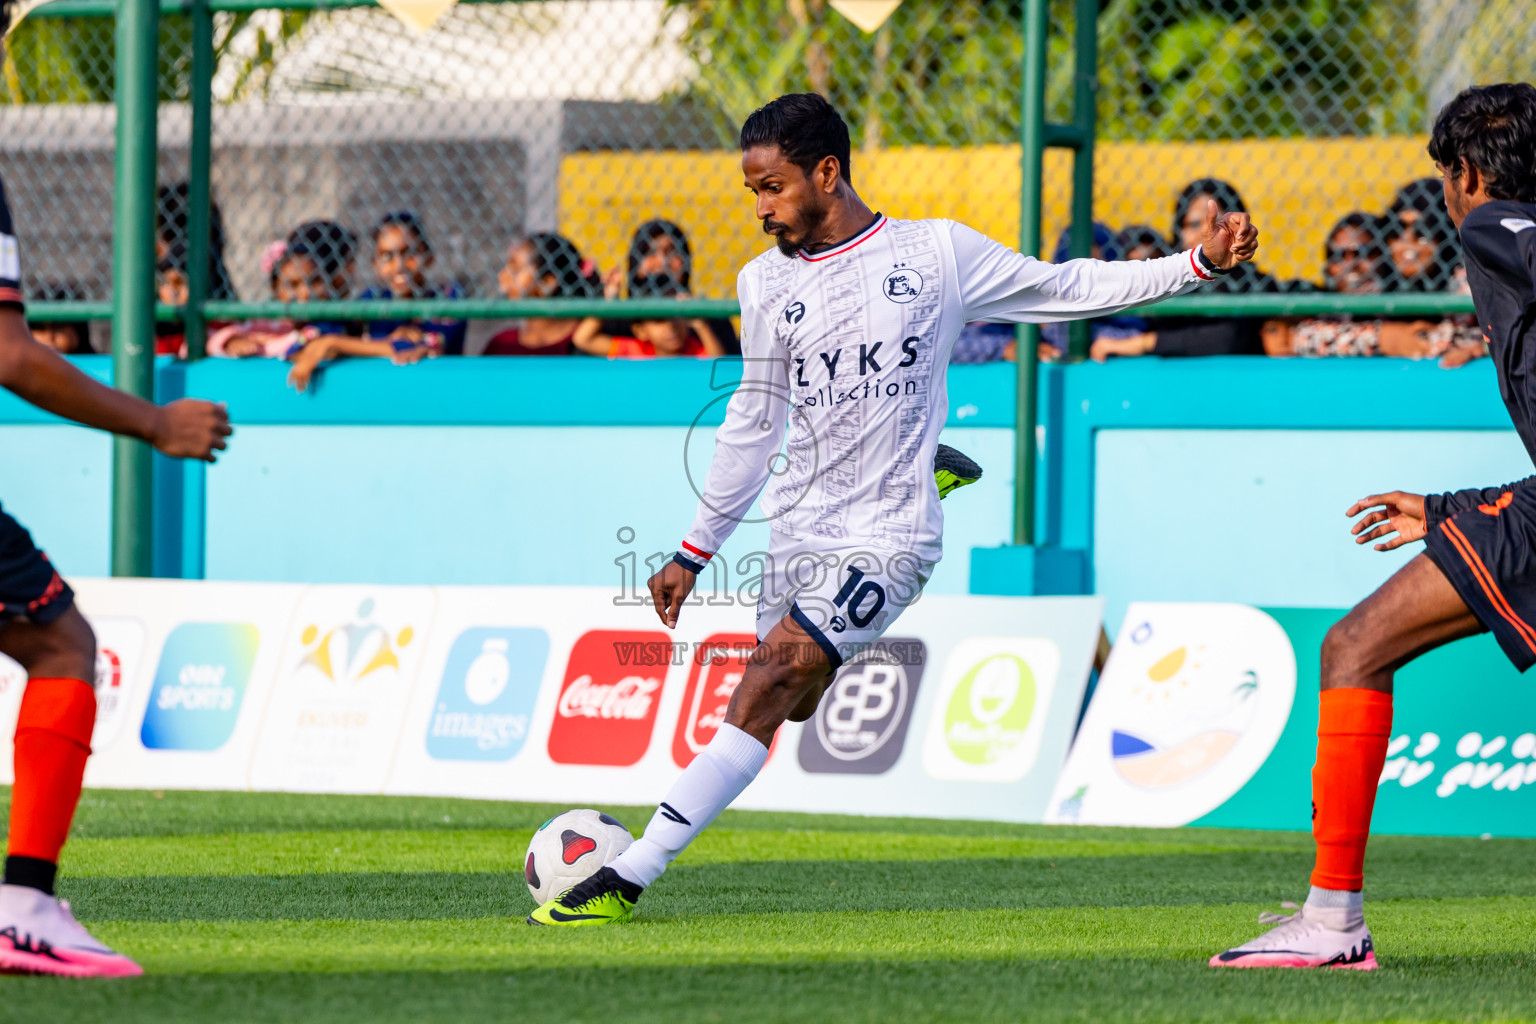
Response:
column 844, row 598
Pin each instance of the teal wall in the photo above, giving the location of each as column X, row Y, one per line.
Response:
column 1213, row 479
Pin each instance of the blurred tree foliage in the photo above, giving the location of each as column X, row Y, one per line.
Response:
column 72, row 60
column 1169, row 69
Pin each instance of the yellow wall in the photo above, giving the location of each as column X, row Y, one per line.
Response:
column 1295, row 190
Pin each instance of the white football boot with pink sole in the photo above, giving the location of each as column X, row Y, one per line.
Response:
column 1310, row 937
column 38, row 935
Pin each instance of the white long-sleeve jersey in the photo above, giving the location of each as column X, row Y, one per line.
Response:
column 848, row 350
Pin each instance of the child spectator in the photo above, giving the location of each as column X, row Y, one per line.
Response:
column 402, row 258
column 660, row 264
column 67, row 337
column 278, row 338
column 172, row 214
column 647, row 339
column 171, row 290
column 543, row 266
column 317, row 265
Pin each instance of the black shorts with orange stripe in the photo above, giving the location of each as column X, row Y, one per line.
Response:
column 1488, row 552
column 30, row 588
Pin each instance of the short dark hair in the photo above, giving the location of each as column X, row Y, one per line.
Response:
column 1225, row 195
column 555, row 255
column 1493, row 128
column 806, row 128
column 328, row 243
column 640, row 245
column 407, row 221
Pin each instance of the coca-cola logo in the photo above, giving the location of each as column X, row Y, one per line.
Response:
column 630, row 698
column 607, row 707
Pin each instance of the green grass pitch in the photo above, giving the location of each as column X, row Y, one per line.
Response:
column 247, row 907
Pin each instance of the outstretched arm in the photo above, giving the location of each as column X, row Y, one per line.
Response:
column 997, row 283
column 189, row 428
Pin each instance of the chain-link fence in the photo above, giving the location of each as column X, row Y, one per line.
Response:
column 612, row 123
column 1313, row 115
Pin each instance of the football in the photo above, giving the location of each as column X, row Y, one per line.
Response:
column 570, row 847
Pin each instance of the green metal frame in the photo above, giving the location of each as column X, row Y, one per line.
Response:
column 133, row 309
column 133, row 275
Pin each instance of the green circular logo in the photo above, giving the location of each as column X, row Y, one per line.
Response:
column 990, row 709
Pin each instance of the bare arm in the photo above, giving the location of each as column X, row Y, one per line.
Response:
column 189, row 428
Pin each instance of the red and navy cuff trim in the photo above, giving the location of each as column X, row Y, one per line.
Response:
column 692, row 558
column 1204, row 267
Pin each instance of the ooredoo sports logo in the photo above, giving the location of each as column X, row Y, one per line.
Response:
column 608, row 702
column 990, row 713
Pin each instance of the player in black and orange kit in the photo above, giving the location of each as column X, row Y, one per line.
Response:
column 1478, row 570
column 41, row 628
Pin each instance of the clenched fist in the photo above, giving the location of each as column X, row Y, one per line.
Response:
column 190, row 428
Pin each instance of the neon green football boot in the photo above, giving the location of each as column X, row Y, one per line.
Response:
column 605, row 898
column 953, row 470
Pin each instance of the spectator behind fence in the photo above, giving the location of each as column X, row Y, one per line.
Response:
column 1421, row 240
column 402, row 259
column 318, row 262
column 171, row 289
column 1054, row 337
column 659, row 264
column 1196, row 336
column 67, row 337
column 543, row 266
column 277, row 338
column 1356, row 262
column 1142, row 242
column 172, row 217
column 648, row 339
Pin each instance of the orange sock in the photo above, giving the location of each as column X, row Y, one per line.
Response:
column 53, row 740
column 1353, row 727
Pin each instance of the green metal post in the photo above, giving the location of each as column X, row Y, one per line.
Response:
column 1084, row 121
column 1032, row 142
column 133, row 275
column 200, row 162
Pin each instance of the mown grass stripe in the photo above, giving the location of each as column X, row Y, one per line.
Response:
column 481, row 850
column 1405, row 930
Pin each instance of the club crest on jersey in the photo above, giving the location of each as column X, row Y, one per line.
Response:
column 794, row 312
column 903, row 285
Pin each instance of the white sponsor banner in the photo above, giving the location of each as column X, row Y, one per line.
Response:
column 1189, row 706
column 566, row 694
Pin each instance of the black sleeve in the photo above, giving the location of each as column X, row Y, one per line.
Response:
column 1501, row 238
column 1211, row 338
column 10, row 258
column 1440, row 507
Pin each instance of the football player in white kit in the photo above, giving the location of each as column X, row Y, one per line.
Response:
column 847, row 327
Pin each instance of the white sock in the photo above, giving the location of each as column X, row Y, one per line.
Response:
column 1343, row 908
column 707, row 786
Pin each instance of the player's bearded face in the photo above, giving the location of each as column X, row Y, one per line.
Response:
column 789, row 205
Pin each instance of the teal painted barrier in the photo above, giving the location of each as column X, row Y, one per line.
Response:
column 1211, row 479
